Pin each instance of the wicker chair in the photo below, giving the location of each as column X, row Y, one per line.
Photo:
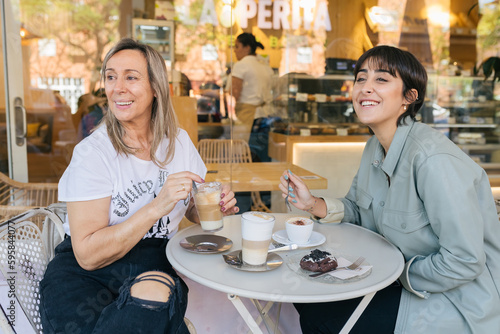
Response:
column 230, row 151
column 17, row 197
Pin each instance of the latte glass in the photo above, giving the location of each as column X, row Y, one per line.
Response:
column 207, row 201
column 256, row 232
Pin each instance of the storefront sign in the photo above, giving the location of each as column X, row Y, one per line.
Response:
column 276, row 15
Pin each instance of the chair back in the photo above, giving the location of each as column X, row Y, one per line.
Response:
column 27, row 243
column 224, row 151
column 17, row 197
column 230, row 151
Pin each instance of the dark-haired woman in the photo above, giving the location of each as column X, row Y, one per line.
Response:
column 421, row 192
column 250, row 85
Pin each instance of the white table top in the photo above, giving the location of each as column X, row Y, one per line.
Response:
column 282, row 284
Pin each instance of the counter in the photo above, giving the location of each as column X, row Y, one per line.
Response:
column 281, row 146
column 334, row 157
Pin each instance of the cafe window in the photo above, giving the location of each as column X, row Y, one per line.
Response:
column 305, row 43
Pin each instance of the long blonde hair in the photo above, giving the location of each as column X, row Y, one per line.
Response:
column 163, row 119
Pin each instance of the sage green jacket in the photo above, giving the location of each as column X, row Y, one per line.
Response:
column 435, row 204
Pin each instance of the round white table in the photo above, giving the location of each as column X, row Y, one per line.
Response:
column 283, row 284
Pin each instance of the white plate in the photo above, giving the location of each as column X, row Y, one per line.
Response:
column 293, row 262
column 206, row 244
column 316, row 239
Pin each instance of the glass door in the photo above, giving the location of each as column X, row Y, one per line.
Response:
column 13, row 158
column 40, row 92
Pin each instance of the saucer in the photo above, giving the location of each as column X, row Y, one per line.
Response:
column 273, row 262
column 206, row 244
column 316, row 239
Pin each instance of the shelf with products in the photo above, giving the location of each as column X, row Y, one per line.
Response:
column 320, row 106
column 467, row 110
column 151, row 41
column 159, row 34
column 324, row 102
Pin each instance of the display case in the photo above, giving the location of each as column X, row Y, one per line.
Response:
column 314, row 110
column 159, row 34
column 317, row 106
column 467, row 110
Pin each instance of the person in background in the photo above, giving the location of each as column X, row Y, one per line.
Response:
column 421, row 192
column 250, row 84
column 93, row 114
column 127, row 188
column 84, row 102
column 186, row 86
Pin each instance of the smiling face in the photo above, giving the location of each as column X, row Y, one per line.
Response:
column 129, row 92
column 378, row 97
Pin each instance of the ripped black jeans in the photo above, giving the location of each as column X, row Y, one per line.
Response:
column 74, row 300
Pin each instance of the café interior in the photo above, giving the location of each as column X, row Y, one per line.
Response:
column 51, row 56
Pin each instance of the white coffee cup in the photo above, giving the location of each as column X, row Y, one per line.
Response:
column 299, row 229
column 256, row 233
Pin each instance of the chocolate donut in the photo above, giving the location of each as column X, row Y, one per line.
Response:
column 318, row 261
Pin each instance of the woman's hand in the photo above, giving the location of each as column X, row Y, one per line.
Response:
column 298, row 193
column 176, row 188
column 228, row 201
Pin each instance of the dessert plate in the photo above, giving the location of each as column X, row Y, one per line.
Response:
column 206, row 244
column 273, row 262
column 293, row 262
column 316, row 239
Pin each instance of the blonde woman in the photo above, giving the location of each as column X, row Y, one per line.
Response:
column 127, row 188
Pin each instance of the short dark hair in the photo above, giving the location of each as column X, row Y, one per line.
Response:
column 402, row 63
column 249, row 39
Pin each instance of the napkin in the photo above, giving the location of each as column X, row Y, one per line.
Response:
column 346, row 273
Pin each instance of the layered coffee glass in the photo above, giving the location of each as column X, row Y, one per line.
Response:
column 207, row 201
column 256, row 232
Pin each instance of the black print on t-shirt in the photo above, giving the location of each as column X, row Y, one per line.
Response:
column 159, row 229
column 162, row 177
column 122, row 201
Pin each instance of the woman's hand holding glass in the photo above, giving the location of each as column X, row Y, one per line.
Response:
column 228, row 201
column 177, row 188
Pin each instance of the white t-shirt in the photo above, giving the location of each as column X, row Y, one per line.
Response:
column 97, row 171
column 257, row 80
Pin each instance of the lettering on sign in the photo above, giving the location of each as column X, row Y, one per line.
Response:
column 276, row 15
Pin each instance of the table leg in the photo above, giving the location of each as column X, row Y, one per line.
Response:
column 247, row 317
column 264, row 316
column 357, row 313
column 252, row 323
